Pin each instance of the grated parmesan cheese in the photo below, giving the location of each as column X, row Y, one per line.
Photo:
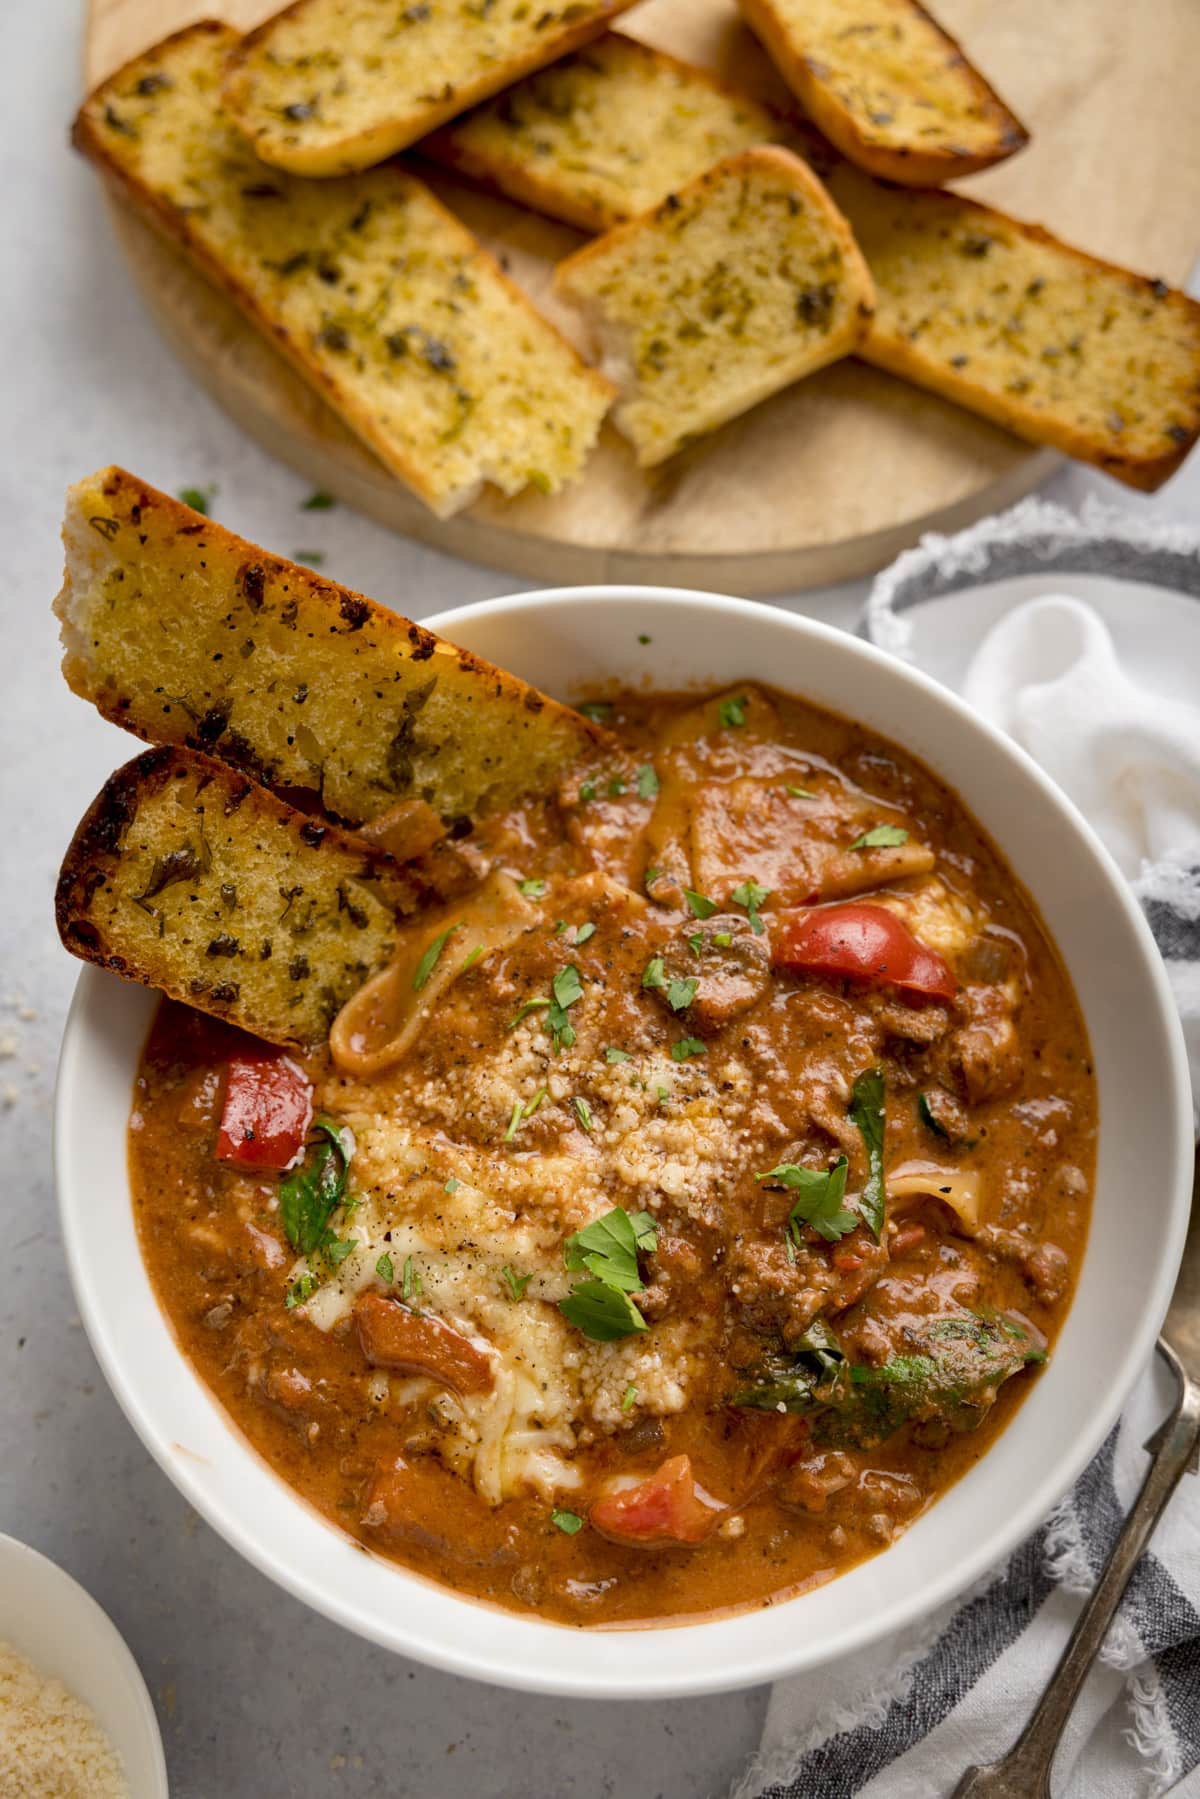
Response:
column 51, row 1745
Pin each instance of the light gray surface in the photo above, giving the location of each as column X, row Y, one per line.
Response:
column 258, row 1699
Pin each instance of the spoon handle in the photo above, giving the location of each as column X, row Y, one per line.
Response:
column 1024, row 1773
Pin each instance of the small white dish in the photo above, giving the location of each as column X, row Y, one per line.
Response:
column 58, row 1627
column 563, row 640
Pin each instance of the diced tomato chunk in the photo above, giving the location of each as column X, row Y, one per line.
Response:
column 268, row 1109
column 393, row 1337
column 861, row 942
column 667, row 1508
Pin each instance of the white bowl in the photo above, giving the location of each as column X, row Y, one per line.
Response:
column 561, row 640
column 53, row 1623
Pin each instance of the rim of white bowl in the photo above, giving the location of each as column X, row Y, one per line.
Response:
column 65, row 1592
column 459, row 1655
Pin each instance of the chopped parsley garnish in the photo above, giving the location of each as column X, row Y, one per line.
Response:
column 531, row 1005
column 616, row 787
column 300, row 1289
column 318, row 502
column 800, row 793
column 630, row 1399
column 567, row 1522
column 751, row 895
column 651, row 875
column 664, row 1094
column 312, row 1193
column 647, row 782
column 867, row 1112
column 881, row 837
column 603, row 1313
column 584, row 932
column 680, row 994
column 819, row 1194
column 338, row 1248
column 452, row 1185
column 584, row 1113
column 472, row 958
column 384, row 1269
column 655, row 974
column 567, row 989
column 428, row 962
column 411, row 1283
column 588, row 790
column 516, row 1283
column 313, row 558
column 607, row 1250
column 199, row 499
column 733, row 712
column 517, row 1114
column 698, row 905
column 617, row 1055
column 643, row 638
column 596, row 710
column 532, row 889
column 722, row 939
column 535, row 1102
column 696, row 942
column 685, row 1048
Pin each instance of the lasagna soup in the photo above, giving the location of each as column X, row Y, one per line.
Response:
column 686, row 1207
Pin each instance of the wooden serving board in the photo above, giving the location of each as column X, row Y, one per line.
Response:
column 831, row 478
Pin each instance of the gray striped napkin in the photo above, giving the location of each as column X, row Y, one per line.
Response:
column 905, row 1718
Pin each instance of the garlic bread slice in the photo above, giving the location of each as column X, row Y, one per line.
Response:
column 888, row 86
column 192, row 879
column 734, row 287
column 378, row 295
column 186, row 634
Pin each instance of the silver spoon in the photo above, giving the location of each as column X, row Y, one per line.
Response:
column 1024, row 1773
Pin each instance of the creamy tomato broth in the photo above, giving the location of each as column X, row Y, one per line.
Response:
column 689, row 1205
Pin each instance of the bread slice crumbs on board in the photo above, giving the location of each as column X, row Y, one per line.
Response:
column 604, row 134
column 737, row 285
column 190, row 878
column 326, row 87
column 888, row 86
column 186, row 634
column 376, row 293
column 1060, row 348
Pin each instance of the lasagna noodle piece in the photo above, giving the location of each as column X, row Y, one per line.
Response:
column 326, row 87
column 738, row 285
column 382, row 300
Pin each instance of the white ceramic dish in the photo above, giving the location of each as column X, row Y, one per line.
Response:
column 50, row 1620
column 561, row 640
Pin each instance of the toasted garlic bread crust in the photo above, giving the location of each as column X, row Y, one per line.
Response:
column 190, row 878
column 184, row 633
column 605, row 134
column 888, row 86
column 330, row 86
column 1005, row 319
column 383, row 301
column 736, row 286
